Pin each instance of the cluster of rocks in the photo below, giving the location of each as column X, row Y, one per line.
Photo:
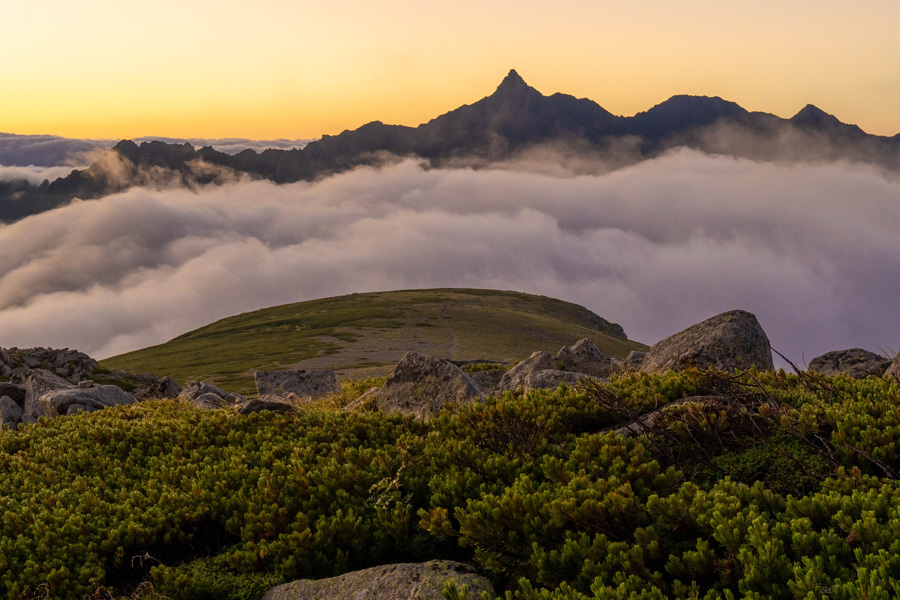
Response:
column 45, row 394
column 16, row 363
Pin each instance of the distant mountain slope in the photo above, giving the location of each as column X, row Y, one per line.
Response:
column 512, row 120
column 365, row 334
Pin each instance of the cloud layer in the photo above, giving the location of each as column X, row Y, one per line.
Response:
column 812, row 250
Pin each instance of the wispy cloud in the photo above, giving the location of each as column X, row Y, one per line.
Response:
column 813, row 250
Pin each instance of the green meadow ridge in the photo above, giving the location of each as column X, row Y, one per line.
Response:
column 364, row 335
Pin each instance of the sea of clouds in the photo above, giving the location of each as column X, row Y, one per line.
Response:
column 38, row 157
column 812, row 250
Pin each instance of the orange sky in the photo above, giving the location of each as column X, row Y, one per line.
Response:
column 283, row 68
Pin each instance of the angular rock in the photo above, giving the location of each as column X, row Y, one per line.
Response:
column 855, row 362
column 409, row 581
column 729, row 341
column 515, row 377
column 10, row 413
column 164, row 388
column 315, row 383
column 258, row 405
column 38, row 383
column 420, row 385
column 584, row 357
column 97, row 397
column 551, row 378
column 635, row 359
column 14, row 391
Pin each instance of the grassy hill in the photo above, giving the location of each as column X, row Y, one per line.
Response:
column 362, row 335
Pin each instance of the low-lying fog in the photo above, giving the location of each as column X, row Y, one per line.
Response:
column 812, row 250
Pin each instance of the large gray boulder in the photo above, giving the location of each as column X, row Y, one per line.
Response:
column 163, row 388
column 855, row 362
column 515, row 377
column 729, row 341
column 302, row 384
column 38, row 383
column 420, row 385
column 10, row 413
column 584, row 357
column 86, row 397
column 409, row 581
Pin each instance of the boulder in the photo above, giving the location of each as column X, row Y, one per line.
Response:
column 635, row 359
column 729, row 341
column 95, row 397
column 551, row 378
column 409, row 581
column 893, row 371
column 316, row 383
column 258, row 405
column 14, row 391
column 855, row 362
column 584, row 357
column 420, row 385
column 37, row 383
column 10, row 413
column 164, row 388
column 515, row 377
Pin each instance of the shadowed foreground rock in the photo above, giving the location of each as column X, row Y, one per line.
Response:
column 409, row 581
column 731, row 340
column 420, row 385
column 855, row 362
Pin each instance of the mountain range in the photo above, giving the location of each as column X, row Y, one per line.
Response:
column 505, row 126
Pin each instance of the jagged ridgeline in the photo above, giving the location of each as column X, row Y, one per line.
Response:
column 362, row 335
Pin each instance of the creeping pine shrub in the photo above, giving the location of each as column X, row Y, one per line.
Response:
column 787, row 487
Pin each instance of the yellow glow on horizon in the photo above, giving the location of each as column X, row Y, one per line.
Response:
column 273, row 68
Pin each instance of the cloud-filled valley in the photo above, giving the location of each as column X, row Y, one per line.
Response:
column 812, row 250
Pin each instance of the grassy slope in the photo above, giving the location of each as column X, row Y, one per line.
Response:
column 364, row 334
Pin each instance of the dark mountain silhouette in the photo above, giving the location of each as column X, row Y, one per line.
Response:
column 514, row 119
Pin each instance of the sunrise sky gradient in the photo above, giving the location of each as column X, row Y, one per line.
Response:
column 280, row 68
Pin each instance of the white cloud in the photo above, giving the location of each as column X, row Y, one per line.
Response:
column 812, row 250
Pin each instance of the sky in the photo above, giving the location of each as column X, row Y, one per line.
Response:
column 811, row 249
column 298, row 70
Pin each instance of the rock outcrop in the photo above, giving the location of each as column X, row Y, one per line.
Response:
column 855, row 362
column 584, row 357
column 16, row 363
column 635, row 359
column 296, row 385
column 10, row 413
column 421, row 385
column 409, row 581
column 731, row 340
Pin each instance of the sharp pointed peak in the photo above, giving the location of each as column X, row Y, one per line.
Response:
column 513, row 82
